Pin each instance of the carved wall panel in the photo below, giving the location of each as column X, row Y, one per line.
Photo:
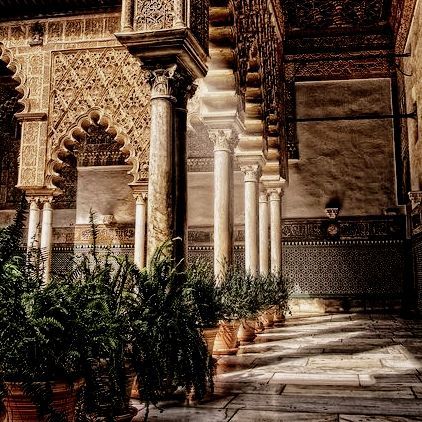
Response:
column 323, row 14
column 153, row 15
column 110, row 81
column 9, row 146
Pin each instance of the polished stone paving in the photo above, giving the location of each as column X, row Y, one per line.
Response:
column 328, row 368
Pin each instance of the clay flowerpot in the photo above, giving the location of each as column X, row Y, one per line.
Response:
column 279, row 318
column 246, row 333
column 209, row 337
column 267, row 319
column 226, row 339
column 20, row 408
column 133, row 411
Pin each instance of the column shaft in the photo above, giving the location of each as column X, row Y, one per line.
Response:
column 251, row 219
column 223, row 177
column 140, row 230
column 160, row 210
column 180, row 176
column 33, row 223
column 264, row 241
column 46, row 243
column 275, row 210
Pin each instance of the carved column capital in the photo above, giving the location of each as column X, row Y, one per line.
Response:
column 415, row 197
column 140, row 197
column 275, row 194
column 263, row 196
column 33, row 200
column 172, row 83
column 46, row 200
column 252, row 172
column 222, row 139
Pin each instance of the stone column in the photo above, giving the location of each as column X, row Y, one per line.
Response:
column 264, row 241
column 167, row 165
column 252, row 173
column 180, row 173
column 33, row 222
column 127, row 16
column 160, row 207
column 275, row 212
column 223, row 175
column 46, row 243
column 140, row 228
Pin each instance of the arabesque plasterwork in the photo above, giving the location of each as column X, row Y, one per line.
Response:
column 116, row 93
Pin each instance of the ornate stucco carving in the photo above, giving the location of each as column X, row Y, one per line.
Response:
column 103, row 86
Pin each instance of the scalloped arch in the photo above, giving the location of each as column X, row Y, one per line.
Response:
column 7, row 56
column 93, row 116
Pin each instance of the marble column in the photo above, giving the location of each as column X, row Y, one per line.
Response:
column 223, row 175
column 46, row 243
column 275, row 212
column 167, row 190
column 180, row 177
column 33, row 223
column 126, row 22
column 264, row 240
column 160, row 206
column 140, row 228
column 252, row 173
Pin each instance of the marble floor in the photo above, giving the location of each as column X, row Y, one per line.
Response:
column 328, row 368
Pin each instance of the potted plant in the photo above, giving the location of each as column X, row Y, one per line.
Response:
column 168, row 349
column 206, row 295
column 40, row 360
column 274, row 295
column 101, row 290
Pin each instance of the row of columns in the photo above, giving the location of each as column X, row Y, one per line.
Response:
column 262, row 224
column 40, row 230
column 262, row 210
column 41, row 235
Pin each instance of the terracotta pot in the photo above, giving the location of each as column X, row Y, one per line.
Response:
column 21, row 408
column 279, row 318
column 226, row 339
column 259, row 326
column 267, row 319
column 134, row 393
column 209, row 336
column 133, row 411
column 246, row 333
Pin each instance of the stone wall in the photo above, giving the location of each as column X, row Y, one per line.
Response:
column 348, row 161
column 412, row 66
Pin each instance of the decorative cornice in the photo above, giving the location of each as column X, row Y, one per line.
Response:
column 31, row 117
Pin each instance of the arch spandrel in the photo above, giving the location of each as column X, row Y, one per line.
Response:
column 16, row 67
column 105, row 84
